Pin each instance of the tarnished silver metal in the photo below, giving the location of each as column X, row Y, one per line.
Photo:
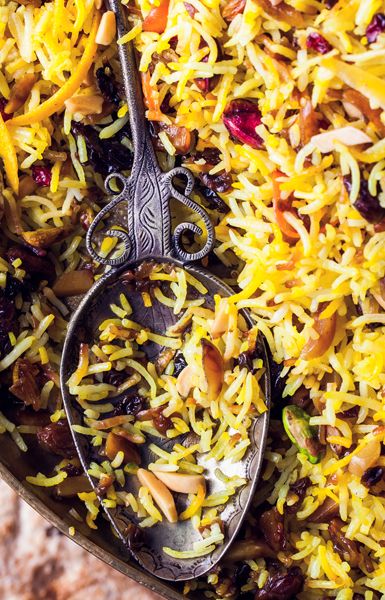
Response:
column 148, row 235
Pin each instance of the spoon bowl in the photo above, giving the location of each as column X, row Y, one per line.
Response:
column 83, row 329
column 146, row 234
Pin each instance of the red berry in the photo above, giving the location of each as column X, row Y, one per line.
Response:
column 241, row 117
column 41, row 175
column 315, row 41
column 375, row 27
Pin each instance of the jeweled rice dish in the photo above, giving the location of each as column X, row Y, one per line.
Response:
column 277, row 109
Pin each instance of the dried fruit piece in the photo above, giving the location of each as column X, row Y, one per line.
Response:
column 282, row 585
column 180, row 482
column 19, row 93
column 160, row 493
column 44, row 238
column 315, row 41
column 241, row 117
column 57, row 438
column 117, row 443
column 301, row 433
column 233, row 8
column 213, row 367
column 24, row 383
column 326, row 329
column 41, row 175
column 72, row 486
column 372, row 476
column 347, row 549
column 272, row 526
column 249, row 549
column 298, row 490
column 107, row 84
column 73, row 283
column 367, row 205
column 375, row 27
column 325, row 512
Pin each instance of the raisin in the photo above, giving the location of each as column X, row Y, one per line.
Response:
column 241, row 575
column 57, row 438
column 282, row 585
column 129, row 405
column 3, row 104
column 272, row 526
column 162, row 423
column 107, row 84
column 372, row 476
column 298, row 488
column 220, row 183
column 34, row 265
column 367, row 205
column 347, row 549
column 179, row 364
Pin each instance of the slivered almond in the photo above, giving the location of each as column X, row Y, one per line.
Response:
column 160, row 493
column 350, row 136
column 107, row 29
column 85, row 105
column 181, row 482
column 185, row 381
column 221, row 321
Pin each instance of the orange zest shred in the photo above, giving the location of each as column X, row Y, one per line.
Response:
column 156, row 20
column 151, row 99
column 195, row 505
column 56, row 102
column 8, row 154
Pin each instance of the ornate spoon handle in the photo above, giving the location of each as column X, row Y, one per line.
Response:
column 148, row 190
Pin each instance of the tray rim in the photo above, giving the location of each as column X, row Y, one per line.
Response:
column 129, row 570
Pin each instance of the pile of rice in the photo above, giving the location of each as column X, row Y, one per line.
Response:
column 326, row 277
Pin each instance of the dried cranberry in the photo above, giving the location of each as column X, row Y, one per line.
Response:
column 367, row 205
column 41, row 175
column 375, row 27
column 3, row 104
column 179, row 364
column 372, row 476
column 190, row 9
column 57, row 438
column 241, row 117
column 282, row 585
column 107, row 84
column 316, row 41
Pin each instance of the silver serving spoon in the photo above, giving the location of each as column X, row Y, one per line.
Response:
column 147, row 193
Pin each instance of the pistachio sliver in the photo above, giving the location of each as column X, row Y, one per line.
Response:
column 301, row 433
